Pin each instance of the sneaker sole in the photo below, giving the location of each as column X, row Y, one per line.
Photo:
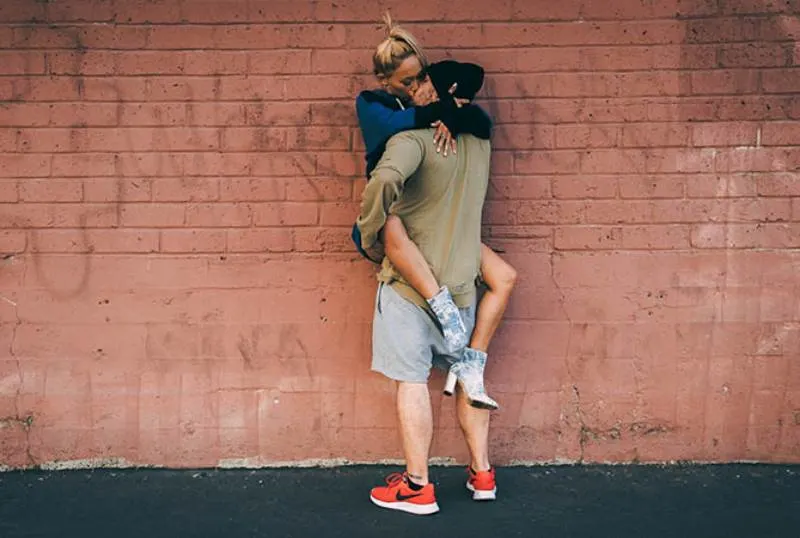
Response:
column 411, row 508
column 482, row 494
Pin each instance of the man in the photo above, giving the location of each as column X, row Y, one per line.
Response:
column 440, row 201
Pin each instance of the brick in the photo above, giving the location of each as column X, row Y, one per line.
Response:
column 278, row 113
column 746, row 236
column 186, row 189
column 724, row 134
column 12, row 241
column 721, row 186
column 584, row 187
column 587, row 136
column 778, row 184
column 116, row 89
column 88, row 114
column 285, row 214
column 9, row 190
column 108, row 189
column 780, row 80
column 516, row 136
column 183, row 37
column 755, row 108
column 757, row 159
column 637, row 10
column 193, row 241
column 577, row 33
column 741, row 7
column 141, row 164
column 186, row 88
column 686, row 109
column 22, row 165
column 655, row 135
column 334, row 113
column 314, row 87
column 118, row 37
column 323, row 240
column 84, row 62
column 252, row 189
column 338, row 214
column 613, row 161
column 723, row 29
column 533, row 85
column 25, row 114
column 267, row 240
column 621, row 237
column 663, row 83
column 725, row 81
column 20, row 63
column 51, row 140
column 283, row 164
column 96, row 241
column 216, row 164
column 521, row 188
column 780, row 134
column 253, row 139
column 214, row 114
column 149, row 63
column 310, row 189
column 584, row 85
column 51, row 190
column 278, row 36
column 644, row 58
column 325, row 61
column 212, row 62
column 251, row 88
column 144, row 215
column 268, row 62
column 680, row 160
column 546, row 162
column 218, row 215
column 44, row 88
column 324, row 138
column 755, row 55
column 22, row 11
column 60, row 215
column 652, row 186
column 83, row 164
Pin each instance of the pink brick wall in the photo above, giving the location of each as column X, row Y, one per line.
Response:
column 178, row 178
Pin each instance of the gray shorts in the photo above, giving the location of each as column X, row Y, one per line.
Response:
column 406, row 341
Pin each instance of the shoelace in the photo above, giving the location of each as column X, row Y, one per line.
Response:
column 395, row 478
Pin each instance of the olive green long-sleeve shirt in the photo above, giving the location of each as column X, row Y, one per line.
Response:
column 440, row 201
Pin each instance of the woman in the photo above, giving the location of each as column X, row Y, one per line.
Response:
column 400, row 66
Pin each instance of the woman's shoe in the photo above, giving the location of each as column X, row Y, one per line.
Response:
column 468, row 372
column 453, row 328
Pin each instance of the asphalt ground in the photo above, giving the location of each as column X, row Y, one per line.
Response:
column 752, row 501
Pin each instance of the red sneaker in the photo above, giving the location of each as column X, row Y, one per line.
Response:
column 482, row 484
column 397, row 495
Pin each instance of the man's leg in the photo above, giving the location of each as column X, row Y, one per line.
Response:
column 402, row 339
column 416, row 428
column 475, row 427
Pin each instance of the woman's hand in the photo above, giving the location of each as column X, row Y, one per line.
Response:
column 442, row 138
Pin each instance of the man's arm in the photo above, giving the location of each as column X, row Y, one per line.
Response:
column 403, row 155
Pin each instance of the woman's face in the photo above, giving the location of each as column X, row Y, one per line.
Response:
column 406, row 78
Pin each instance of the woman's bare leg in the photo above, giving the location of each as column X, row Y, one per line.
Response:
column 500, row 278
column 407, row 258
